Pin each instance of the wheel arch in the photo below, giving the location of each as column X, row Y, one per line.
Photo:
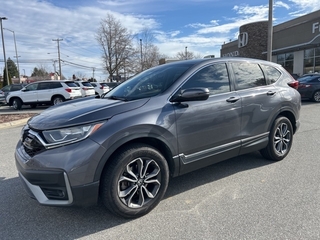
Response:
column 290, row 116
column 12, row 99
column 57, row 95
column 154, row 142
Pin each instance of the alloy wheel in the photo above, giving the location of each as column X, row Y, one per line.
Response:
column 139, row 182
column 282, row 138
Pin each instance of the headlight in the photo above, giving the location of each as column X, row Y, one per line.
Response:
column 69, row 135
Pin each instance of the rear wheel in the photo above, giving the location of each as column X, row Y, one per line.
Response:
column 57, row 100
column 316, row 96
column 280, row 140
column 16, row 104
column 135, row 181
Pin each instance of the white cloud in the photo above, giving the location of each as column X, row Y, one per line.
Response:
column 304, row 6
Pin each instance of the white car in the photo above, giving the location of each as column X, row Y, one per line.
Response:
column 50, row 92
column 100, row 88
column 86, row 88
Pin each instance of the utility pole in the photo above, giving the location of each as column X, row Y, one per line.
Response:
column 59, row 59
column 4, row 50
column 15, row 46
column 93, row 69
column 270, row 31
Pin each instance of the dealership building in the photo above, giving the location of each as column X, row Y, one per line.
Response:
column 295, row 44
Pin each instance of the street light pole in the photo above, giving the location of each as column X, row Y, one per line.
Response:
column 186, row 53
column 141, row 53
column 59, row 59
column 15, row 46
column 4, row 50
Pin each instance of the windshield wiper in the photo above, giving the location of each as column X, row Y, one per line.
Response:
column 118, row 98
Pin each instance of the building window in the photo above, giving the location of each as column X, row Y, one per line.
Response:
column 286, row 61
column 311, row 60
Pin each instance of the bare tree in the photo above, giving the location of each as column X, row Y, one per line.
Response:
column 40, row 72
column 79, row 75
column 187, row 55
column 116, row 44
column 150, row 53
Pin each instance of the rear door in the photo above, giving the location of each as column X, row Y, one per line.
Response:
column 209, row 128
column 45, row 91
column 260, row 103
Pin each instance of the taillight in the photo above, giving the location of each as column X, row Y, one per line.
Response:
column 294, row 84
column 101, row 87
column 69, row 90
column 85, row 88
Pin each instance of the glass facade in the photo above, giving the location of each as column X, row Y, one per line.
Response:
column 286, row 60
column 311, row 62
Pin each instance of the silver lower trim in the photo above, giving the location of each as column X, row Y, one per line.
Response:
column 41, row 197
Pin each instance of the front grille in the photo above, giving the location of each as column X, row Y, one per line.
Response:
column 31, row 144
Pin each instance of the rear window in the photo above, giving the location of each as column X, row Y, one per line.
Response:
column 272, row 74
column 16, row 87
column 87, row 84
column 71, row 84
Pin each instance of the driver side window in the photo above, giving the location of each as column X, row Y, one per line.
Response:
column 214, row 77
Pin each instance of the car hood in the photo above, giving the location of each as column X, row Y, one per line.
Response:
column 81, row 112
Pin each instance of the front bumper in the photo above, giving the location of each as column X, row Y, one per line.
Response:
column 61, row 176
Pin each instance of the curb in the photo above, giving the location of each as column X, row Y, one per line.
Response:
column 16, row 123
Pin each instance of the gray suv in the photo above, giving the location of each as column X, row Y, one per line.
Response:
column 166, row 121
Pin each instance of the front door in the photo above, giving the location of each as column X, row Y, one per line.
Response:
column 208, row 131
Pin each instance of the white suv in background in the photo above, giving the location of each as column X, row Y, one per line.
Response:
column 50, row 92
column 100, row 88
column 86, row 88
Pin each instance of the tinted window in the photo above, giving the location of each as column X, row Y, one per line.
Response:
column 43, row 86
column 248, row 75
column 71, row 84
column 16, row 87
column 87, row 84
column 93, row 84
column 32, row 87
column 6, row 88
column 55, row 85
column 272, row 74
column 214, row 77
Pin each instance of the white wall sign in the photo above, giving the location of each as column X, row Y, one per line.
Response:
column 242, row 39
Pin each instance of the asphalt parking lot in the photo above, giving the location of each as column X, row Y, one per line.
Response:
column 246, row 197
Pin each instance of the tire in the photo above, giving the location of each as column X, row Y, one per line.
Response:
column 135, row 181
column 280, row 140
column 316, row 96
column 16, row 104
column 57, row 100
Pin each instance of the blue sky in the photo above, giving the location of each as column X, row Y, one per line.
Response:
column 200, row 25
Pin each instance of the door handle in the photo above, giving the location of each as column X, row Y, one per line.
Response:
column 270, row 93
column 232, row 99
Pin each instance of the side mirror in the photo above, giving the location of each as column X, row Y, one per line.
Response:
column 191, row 94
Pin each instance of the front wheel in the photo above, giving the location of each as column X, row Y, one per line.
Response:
column 16, row 104
column 316, row 96
column 280, row 140
column 135, row 181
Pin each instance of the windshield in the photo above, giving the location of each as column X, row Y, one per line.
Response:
column 149, row 83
